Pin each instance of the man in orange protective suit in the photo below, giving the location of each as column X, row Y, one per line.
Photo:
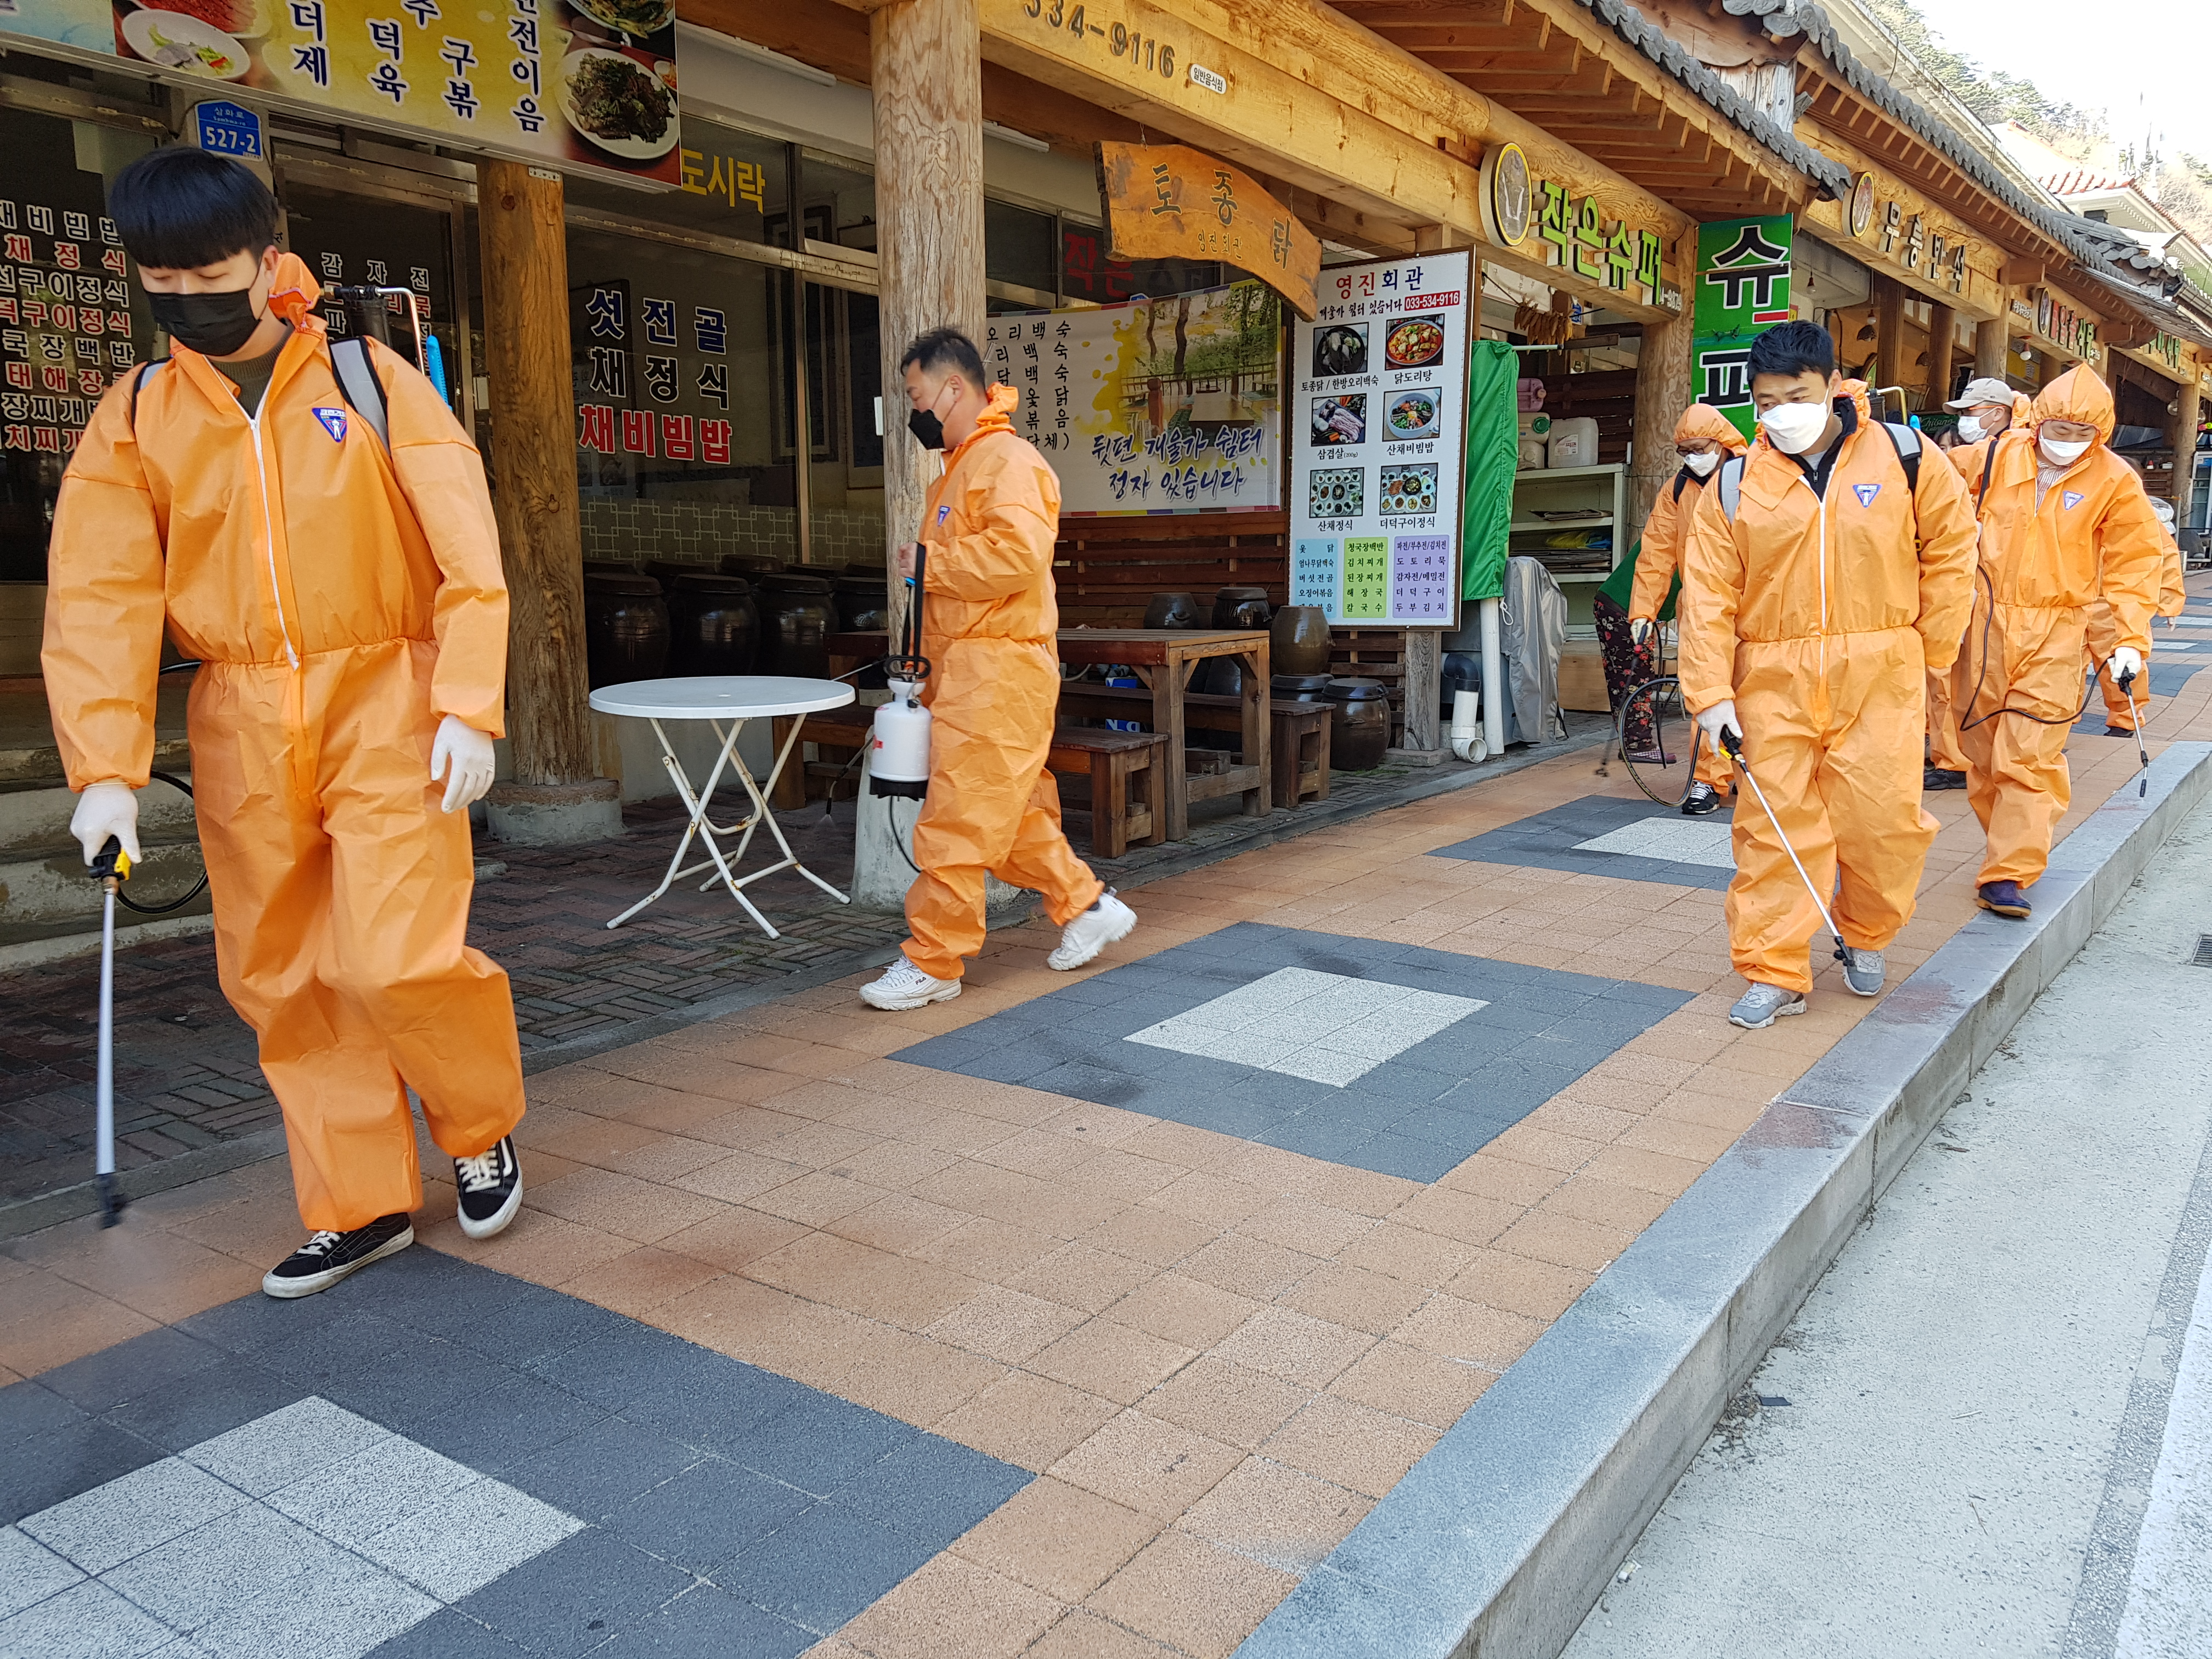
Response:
column 1985, row 407
column 346, row 603
column 1704, row 438
column 2122, row 712
column 2064, row 522
column 1824, row 575
column 989, row 624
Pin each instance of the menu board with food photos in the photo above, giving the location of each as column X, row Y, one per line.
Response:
column 584, row 83
column 1376, row 429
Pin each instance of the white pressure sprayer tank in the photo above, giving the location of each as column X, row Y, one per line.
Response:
column 898, row 747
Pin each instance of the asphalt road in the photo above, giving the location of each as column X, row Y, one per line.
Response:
column 1989, row 1430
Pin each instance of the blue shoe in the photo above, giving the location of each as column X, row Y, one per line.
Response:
column 2004, row 897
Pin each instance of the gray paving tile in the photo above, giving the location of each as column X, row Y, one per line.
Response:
column 285, row 1446
column 75, row 1455
column 27, row 1408
column 254, row 1323
column 113, row 1375
column 131, row 1514
column 708, row 1623
column 508, row 1423
column 445, row 1635
column 90, row 1621
column 824, row 1567
column 29, row 1572
column 595, row 1472
column 932, row 1484
column 184, row 1411
column 1549, row 840
column 705, row 1515
column 575, row 1595
column 820, row 1443
column 389, row 1480
column 464, row 1539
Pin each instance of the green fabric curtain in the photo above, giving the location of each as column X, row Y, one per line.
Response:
column 1494, row 455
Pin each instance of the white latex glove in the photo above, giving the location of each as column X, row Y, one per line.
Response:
column 1719, row 718
column 103, row 810
column 2124, row 660
column 1639, row 630
column 463, row 757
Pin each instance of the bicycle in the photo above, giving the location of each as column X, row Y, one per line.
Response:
column 1655, row 705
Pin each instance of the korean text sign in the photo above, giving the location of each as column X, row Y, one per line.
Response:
column 1743, row 290
column 1168, row 405
column 1377, row 426
column 578, row 81
column 1168, row 201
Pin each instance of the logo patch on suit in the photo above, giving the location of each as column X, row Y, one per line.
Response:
column 1866, row 493
column 2072, row 498
column 944, row 512
column 333, row 421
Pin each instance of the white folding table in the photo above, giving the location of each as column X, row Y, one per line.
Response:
column 716, row 699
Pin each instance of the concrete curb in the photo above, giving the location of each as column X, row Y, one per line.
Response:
column 1499, row 1542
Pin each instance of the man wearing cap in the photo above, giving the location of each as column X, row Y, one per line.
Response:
column 1987, row 407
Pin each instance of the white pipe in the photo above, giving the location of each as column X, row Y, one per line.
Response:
column 1493, row 679
column 1467, row 739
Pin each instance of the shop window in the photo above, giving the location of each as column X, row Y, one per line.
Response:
column 72, row 323
column 837, row 204
column 731, row 184
column 1018, row 246
column 1087, row 273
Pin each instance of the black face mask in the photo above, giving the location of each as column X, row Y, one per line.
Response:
column 927, row 429
column 213, row 324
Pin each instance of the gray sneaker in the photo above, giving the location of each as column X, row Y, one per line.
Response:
column 1862, row 972
column 1761, row 1005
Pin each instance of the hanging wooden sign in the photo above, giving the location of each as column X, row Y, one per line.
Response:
column 1171, row 202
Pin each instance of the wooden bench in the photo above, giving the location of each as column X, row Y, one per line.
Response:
column 1126, row 772
column 1298, row 732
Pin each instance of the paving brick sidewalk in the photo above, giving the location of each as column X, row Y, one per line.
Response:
column 187, row 1077
column 1199, row 1305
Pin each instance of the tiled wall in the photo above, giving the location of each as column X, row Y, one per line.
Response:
column 631, row 532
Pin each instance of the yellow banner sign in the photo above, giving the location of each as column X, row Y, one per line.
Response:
column 1170, row 202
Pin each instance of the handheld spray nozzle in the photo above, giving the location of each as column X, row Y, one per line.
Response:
column 1732, row 741
column 112, row 865
column 2127, row 680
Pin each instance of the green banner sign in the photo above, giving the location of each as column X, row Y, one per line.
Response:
column 1741, row 290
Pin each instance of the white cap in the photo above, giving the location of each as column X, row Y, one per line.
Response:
column 1983, row 391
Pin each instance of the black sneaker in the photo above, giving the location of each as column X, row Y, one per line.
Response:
column 2119, row 730
column 1942, row 777
column 1702, row 798
column 327, row 1257
column 490, row 1188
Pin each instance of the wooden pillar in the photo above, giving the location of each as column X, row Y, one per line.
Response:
column 534, row 469
column 925, row 72
column 1889, row 337
column 2182, row 433
column 1663, row 392
column 1991, row 345
column 1942, row 327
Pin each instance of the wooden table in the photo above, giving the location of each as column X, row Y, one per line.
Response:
column 1164, row 658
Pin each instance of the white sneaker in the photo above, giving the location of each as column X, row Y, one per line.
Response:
column 1107, row 920
column 905, row 986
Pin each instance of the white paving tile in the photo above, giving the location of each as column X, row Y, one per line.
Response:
column 88, row 1622
column 1675, row 839
column 29, row 1572
column 469, row 1538
column 1329, row 1027
column 391, row 1481
column 133, row 1513
column 285, row 1445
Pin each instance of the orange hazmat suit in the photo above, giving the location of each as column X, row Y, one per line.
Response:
column 1943, row 748
column 1820, row 615
column 1661, row 559
column 342, row 601
column 2098, row 632
column 989, row 622
column 2045, row 554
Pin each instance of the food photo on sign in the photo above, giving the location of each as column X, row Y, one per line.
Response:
column 590, row 82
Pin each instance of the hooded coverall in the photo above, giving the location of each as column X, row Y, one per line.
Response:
column 1661, row 560
column 989, row 624
column 1943, row 749
column 342, row 601
column 2099, row 631
column 2044, row 555
column 1819, row 614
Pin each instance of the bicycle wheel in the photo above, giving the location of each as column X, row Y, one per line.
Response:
column 1665, row 769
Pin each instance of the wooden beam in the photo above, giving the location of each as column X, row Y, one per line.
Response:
column 1663, row 392
column 523, row 246
column 1889, row 332
column 1942, row 329
column 1991, row 343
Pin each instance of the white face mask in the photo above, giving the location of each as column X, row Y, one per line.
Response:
column 2061, row 454
column 1701, row 465
column 1793, row 429
column 1970, row 430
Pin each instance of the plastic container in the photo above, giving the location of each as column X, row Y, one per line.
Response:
column 625, row 629
column 1573, row 442
column 713, row 625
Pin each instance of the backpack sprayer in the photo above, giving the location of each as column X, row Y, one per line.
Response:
column 370, row 314
column 898, row 748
